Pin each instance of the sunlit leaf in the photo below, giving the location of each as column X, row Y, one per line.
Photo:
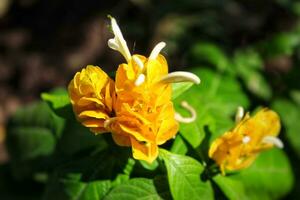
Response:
column 184, row 177
column 180, row 88
column 137, row 188
column 215, row 101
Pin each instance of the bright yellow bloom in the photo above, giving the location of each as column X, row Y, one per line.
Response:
column 144, row 111
column 137, row 109
column 238, row 148
column 92, row 96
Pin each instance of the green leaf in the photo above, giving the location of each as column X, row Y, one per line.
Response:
column 148, row 166
column 212, row 54
column 184, row 177
column 215, row 101
column 138, row 188
column 179, row 88
column 72, row 188
column 32, row 132
column 269, row 177
column 86, row 191
column 87, row 177
column 290, row 114
column 58, row 98
column 280, row 44
column 248, row 64
column 179, row 146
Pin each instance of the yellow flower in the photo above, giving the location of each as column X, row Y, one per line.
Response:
column 238, row 148
column 92, row 95
column 144, row 111
column 137, row 109
column 145, row 116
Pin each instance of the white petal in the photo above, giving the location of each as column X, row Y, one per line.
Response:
column 192, row 111
column 118, row 43
column 156, row 50
column 239, row 114
column 112, row 44
column 140, row 80
column 138, row 61
column 180, row 76
column 273, row 140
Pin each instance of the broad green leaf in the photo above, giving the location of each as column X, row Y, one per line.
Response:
column 76, row 138
column 180, row 88
column 138, row 188
column 73, row 188
column 215, row 101
column 212, row 54
column 59, row 101
column 179, row 146
column 29, row 143
column 90, row 176
column 122, row 177
column 86, row 191
column 58, row 98
column 290, row 114
column 184, row 177
column 32, row 132
column 269, row 177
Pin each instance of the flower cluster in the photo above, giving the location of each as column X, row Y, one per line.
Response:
column 137, row 107
column 238, row 148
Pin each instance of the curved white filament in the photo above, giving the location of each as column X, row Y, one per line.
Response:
column 139, row 63
column 192, row 111
column 180, row 76
column 273, row 140
column 156, row 50
column 118, row 43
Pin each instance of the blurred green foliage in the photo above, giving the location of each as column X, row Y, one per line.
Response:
column 245, row 56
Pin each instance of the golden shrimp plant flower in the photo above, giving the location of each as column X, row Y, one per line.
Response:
column 237, row 149
column 137, row 107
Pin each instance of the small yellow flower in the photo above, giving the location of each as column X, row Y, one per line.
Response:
column 238, row 148
column 92, row 95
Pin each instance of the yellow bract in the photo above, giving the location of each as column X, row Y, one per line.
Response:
column 144, row 111
column 140, row 114
column 92, row 95
column 238, row 148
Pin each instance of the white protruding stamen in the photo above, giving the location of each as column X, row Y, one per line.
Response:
column 180, row 76
column 192, row 111
column 156, row 50
column 140, row 80
column 273, row 140
column 239, row 114
column 246, row 139
column 139, row 63
column 118, row 43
